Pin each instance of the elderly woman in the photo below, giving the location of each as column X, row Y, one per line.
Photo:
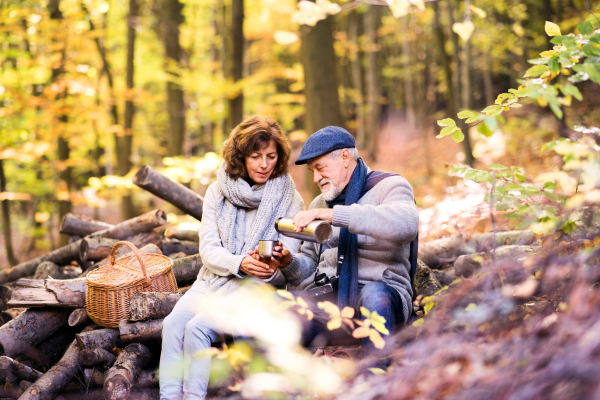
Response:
column 252, row 191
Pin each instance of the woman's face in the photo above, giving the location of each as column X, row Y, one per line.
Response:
column 261, row 163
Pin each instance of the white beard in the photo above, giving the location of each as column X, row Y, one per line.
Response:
column 332, row 192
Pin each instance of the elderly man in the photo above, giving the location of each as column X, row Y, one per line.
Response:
column 374, row 218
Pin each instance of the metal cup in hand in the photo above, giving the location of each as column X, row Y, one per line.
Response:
column 265, row 248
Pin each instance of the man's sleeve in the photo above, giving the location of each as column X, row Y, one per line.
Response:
column 303, row 264
column 395, row 218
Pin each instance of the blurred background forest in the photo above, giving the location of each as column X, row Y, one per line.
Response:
column 91, row 90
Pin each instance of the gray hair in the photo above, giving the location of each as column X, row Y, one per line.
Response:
column 336, row 153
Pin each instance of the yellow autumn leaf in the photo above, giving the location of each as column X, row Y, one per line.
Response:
column 285, row 294
column 377, row 340
column 301, row 302
column 361, row 332
column 309, row 315
column 480, row 13
column 418, row 322
column 548, row 53
column 552, row 29
column 334, row 323
column 348, row 312
column 464, row 29
column 329, row 308
column 377, row 371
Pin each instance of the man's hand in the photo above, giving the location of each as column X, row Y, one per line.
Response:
column 254, row 267
column 303, row 218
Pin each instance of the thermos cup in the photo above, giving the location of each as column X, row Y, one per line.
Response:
column 265, row 248
column 316, row 232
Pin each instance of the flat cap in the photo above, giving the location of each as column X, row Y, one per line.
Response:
column 324, row 141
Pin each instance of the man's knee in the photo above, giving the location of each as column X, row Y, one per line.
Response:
column 376, row 295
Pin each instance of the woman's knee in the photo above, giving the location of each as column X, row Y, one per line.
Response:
column 199, row 330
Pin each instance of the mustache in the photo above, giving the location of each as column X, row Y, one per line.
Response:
column 324, row 181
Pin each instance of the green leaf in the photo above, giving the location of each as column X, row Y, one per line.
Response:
column 549, row 185
column 471, row 175
column 554, row 65
column 520, row 177
column 570, row 90
column 484, row 130
column 585, row 28
column 449, row 130
column 497, row 167
column 458, row 136
column 446, row 122
column 552, row 29
column 491, row 108
column 418, row 322
column 536, row 70
column 471, row 116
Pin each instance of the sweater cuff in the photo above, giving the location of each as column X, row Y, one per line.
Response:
column 234, row 265
column 341, row 216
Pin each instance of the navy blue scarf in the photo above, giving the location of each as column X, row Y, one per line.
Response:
column 360, row 183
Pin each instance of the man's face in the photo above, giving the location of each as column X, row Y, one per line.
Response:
column 330, row 174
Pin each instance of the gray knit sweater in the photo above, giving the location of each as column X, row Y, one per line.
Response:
column 386, row 221
column 221, row 269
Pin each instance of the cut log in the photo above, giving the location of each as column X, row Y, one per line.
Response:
column 98, row 358
column 5, row 293
column 446, row 250
column 106, row 339
column 175, row 256
column 186, row 269
column 95, row 249
column 81, row 225
column 61, row 256
column 152, row 305
column 147, row 249
column 4, row 317
column 145, row 378
column 14, row 371
column 171, row 246
column 57, row 378
column 135, row 394
column 29, row 329
column 140, row 224
column 47, row 353
column 175, row 193
column 121, row 377
column 72, row 271
column 467, row 264
column 426, row 284
column 140, row 331
column 68, row 293
column 48, row 269
column 191, row 235
column 79, row 316
column 445, row 277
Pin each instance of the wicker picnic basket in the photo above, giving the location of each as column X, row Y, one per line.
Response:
column 110, row 287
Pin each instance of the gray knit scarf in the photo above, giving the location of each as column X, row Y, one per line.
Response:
column 236, row 197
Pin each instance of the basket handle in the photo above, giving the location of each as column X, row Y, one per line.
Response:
column 137, row 254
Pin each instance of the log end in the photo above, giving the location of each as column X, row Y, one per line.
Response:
column 140, row 177
column 84, row 248
column 116, row 388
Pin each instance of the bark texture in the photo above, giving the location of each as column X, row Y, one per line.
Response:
column 81, row 225
column 95, row 249
column 175, row 193
column 99, row 358
column 121, row 377
column 182, row 234
column 47, row 353
column 426, row 283
column 106, row 339
column 186, row 269
column 467, row 264
column 152, row 305
column 140, row 224
column 14, row 371
column 140, row 331
column 49, row 292
column 79, row 316
column 29, row 329
column 171, row 246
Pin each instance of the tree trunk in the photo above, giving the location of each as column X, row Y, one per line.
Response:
column 467, row 264
column 186, row 269
column 80, row 225
column 235, row 62
column 357, row 73
column 29, row 329
column 322, row 106
column 14, row 371
column 141, row 331
column 99, row 358
column 79, row 316
column 408, row 80
column 175, row 193
column 124, row 140
column 152, row 305
column 487, row 78
column 61, row 256
column 6, row 231
column 106, row 339
column 372, row 79
column 170, row 16
column 69, row 293
column 121, row 377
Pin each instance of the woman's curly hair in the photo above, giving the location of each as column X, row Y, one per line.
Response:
column 251, row 135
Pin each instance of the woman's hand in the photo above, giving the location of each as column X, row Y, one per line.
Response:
column 252, row 266
column 277, row 255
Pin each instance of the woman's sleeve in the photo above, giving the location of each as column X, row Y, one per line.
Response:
column 214, row 256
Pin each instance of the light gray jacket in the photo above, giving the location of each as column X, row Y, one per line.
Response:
column 221, row 269
column 386, row 221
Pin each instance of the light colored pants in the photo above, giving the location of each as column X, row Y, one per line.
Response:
column 181, row 375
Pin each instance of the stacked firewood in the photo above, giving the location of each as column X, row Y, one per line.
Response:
column 50, row 348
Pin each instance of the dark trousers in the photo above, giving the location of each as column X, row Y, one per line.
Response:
column 374, row 296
